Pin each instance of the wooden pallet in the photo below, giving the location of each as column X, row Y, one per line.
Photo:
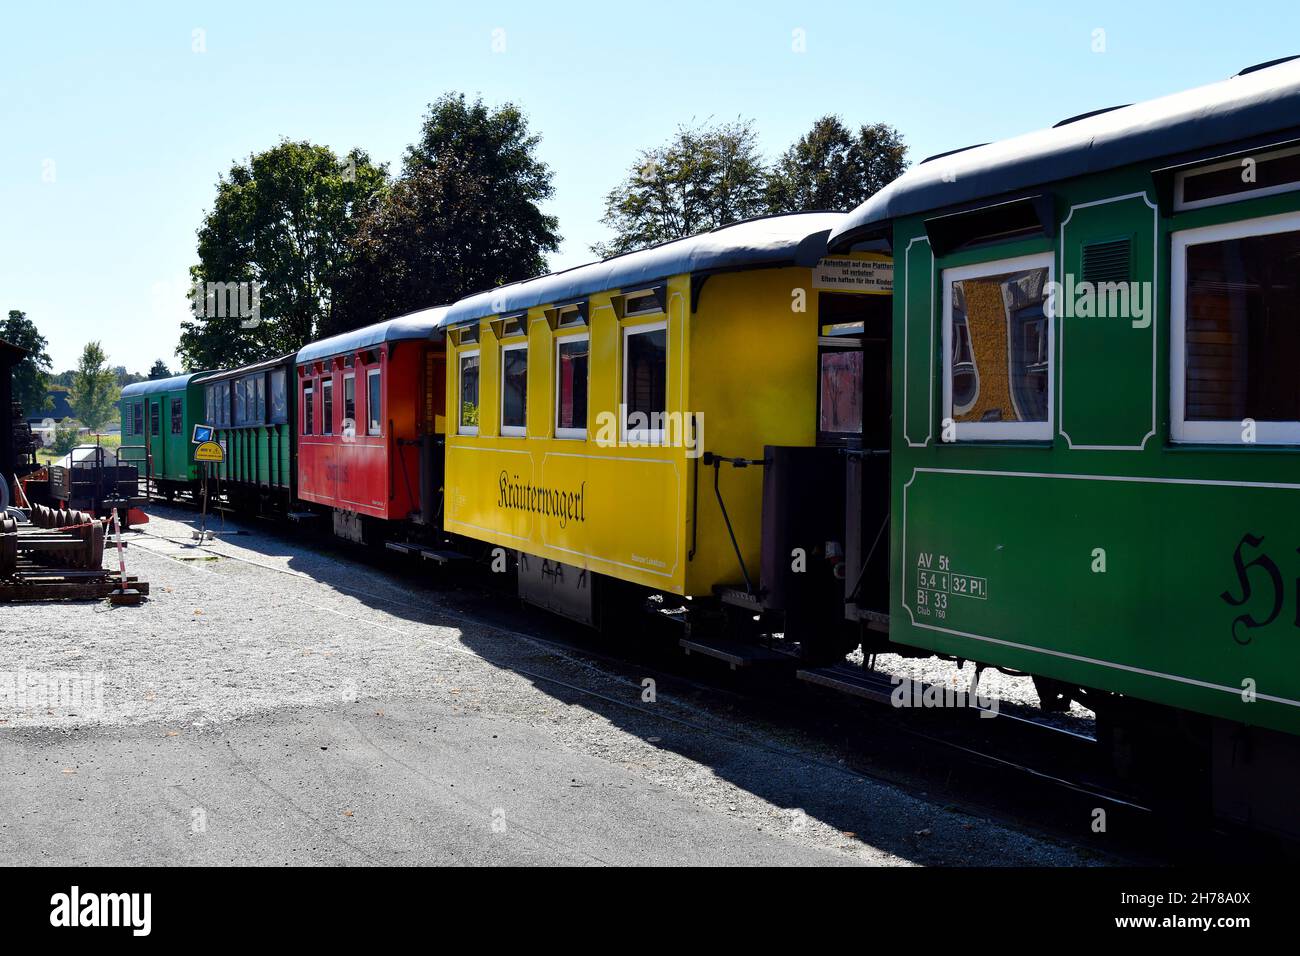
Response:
column 34, row 583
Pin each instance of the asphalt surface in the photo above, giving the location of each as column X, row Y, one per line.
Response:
column 276, row 703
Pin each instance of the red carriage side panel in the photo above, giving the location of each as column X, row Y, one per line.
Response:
column 362, row 412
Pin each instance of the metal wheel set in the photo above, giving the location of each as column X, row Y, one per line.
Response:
column 60, row 555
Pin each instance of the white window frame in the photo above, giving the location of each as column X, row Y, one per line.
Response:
column 461, row 427
column 999, row 431
column 343, row 425
column 370, row 416
column 308, row 426
column 643, row 436
column 1229, row 432
column 578, row 434
column 1180, row 178
column 512, row 431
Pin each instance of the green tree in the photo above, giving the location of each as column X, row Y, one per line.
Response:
column 707, row 176
column 32, row 374
column 830, row 167
column 159, row 370
column 283, row 219
column 94, row 388
column 464, row 215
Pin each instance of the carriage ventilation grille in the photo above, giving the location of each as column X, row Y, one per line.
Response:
column 1106, row 261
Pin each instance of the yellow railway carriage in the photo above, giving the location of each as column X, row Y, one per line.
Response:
column 589, row 410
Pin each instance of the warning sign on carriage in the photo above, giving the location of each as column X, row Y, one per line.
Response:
column 855, row 275
column 209, row 451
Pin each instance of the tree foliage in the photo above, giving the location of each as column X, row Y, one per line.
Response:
column 159, row 370
column 464, row 215
column 706, row 176
column 284, row 219
column 830, row 167
column 94, row 388
column 32, row 374
column 712, row 175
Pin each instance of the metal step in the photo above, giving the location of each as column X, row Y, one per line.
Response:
column 734, row 653
column 737, row 596
column 874, row 620
column 848, row 679
column 442, row 556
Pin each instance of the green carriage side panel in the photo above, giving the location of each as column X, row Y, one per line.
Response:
column 1107, row 557
column 166, row 411
column 259, row 447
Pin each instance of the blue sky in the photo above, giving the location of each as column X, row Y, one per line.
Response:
column 113, row 130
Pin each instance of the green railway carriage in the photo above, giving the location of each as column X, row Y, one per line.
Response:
column 252, row 409
column 158, row 419
column 1096, row 414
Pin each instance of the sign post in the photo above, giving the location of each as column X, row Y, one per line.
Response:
column 206, row 452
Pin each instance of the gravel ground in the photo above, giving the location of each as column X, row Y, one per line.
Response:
column 269, row 643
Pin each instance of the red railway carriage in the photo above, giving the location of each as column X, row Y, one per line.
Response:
column 371, row 415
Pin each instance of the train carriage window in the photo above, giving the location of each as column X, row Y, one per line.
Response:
column 374, row 408
column 645, row 382
column 1236, row 179
column 514, row 389
column 259, row 399
column 1235, row 314
column 308, row 409
column 241, row 401
column 571, row 369
column 137, row 418
column 349, row 406
column 209, row 405
column 327, row 406
column 839, row 410
column 469, row 369
column 997, row 349
column 154, row 416
column 279, row 397
column 177, row 417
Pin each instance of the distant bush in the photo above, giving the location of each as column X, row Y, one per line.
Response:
column 66, row 437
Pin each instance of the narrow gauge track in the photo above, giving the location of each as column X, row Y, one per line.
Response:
column 1017, row 770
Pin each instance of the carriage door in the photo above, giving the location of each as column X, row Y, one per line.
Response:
column 853, row 412
column 157, row 447
column 433, row 433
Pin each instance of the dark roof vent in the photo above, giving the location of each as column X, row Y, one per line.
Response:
column 1084, row 116
column 1264, row 66
column 950, row 152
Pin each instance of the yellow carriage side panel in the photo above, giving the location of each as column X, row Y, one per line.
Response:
column 597, row 503
column 753, row 375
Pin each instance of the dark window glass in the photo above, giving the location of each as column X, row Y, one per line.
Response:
column 257, row 401
column 279, row 398
column 841, row 391
column 209, row 405
column 177, row 417
column 469, row 391
column 999, row 343
column 137, row 418
column 646, row 388
column 308, row 411
column 350, row 404
column 571, row 408
column 1243, row 329
column 241, row 401
column 1268, row 172
column 374, row 408
column 327, row 407
column 154, row 416
column 514, row 388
